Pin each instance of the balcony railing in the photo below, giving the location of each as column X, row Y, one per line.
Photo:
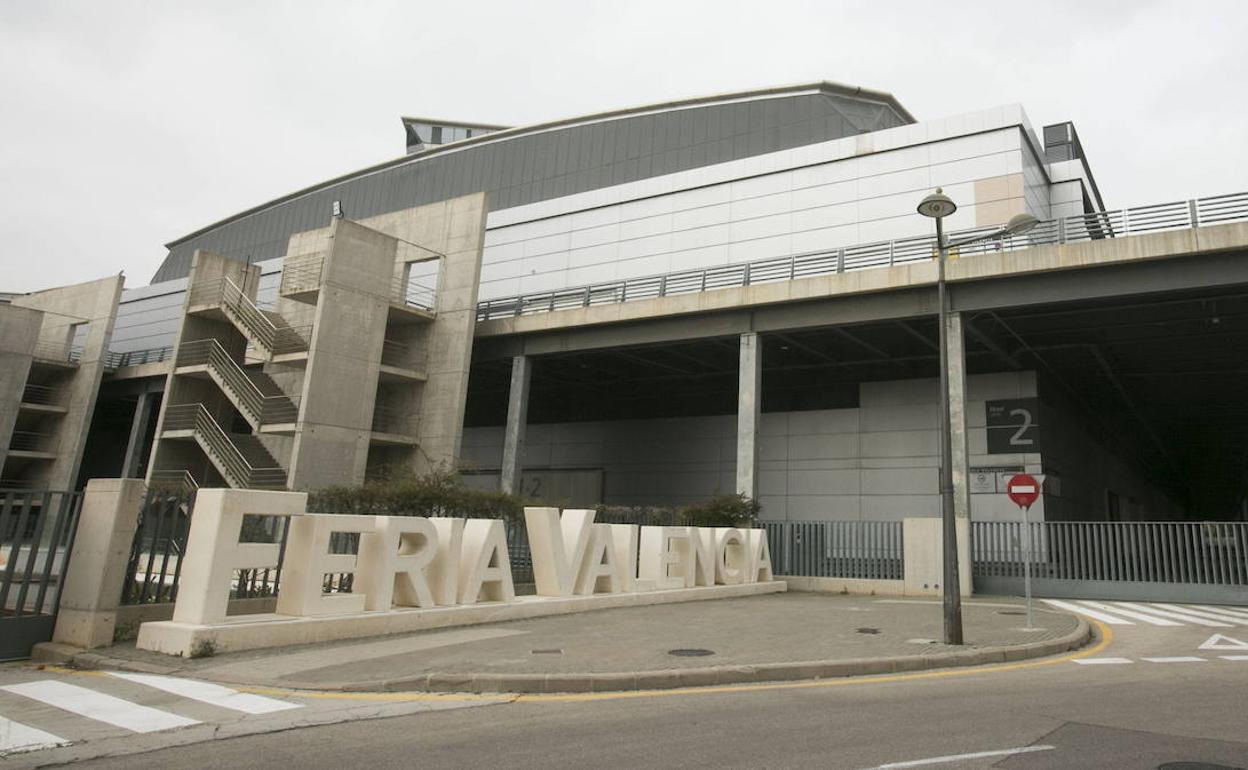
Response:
column 31, row 441
column 1179, row 215
column 58, row 353
column 42, row 395
column 404, row 356
column 177, row 480
column 265, row 328
column 302, row 273
column 409, row 293
column 390, row 420
column 114, row 360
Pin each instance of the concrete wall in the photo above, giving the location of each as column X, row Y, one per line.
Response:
column 82, row 314
column 19, row 331
column 875, row 462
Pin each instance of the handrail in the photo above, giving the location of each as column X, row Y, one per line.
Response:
column 404, row 291
column 390, row 420
column 56, row 352
column 174, row 478
column 196, row 418
column 302, row 273
column 41, row 395
column 1100, row 225
column 261, row 407
column 277, row 340
column 115, row 360
column 28, row 441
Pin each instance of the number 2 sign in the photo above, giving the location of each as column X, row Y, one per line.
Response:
column 1013, row 425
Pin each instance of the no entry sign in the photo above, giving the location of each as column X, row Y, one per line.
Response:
column 1023, row 489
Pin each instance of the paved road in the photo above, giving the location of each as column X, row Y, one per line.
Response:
column 1181, row 696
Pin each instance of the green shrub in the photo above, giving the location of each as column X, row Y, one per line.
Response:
column 722, row 511
column 402, row 493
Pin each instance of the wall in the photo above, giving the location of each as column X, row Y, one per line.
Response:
column 19, row 331
column 874, row 462
column 837, row 193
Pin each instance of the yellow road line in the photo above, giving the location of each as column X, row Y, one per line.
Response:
column 1106, row 633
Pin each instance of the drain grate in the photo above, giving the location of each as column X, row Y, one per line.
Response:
column 868, row 630
column 690, row 652
column 1195, row 766
column 1010, row 612
column 550, row 651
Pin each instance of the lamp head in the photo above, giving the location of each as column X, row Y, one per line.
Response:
column 937, row 205
column 1020, row 223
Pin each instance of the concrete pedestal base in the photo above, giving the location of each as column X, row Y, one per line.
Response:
column 249, row 632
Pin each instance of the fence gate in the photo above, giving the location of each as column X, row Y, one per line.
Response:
column 1149, row 561
column 36, row 536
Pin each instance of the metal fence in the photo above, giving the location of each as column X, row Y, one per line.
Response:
column 1134, row 560
column 866, row 550
column 37, row 531
column 1177, row 215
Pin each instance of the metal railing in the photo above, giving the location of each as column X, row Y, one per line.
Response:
column 867, row 550
column 114, row 360
column 259, row 325
column 404, row 291
column 155, row 563
column 225, row 454
column 404, row 356
column 58, row 353
column 1177, row 215
column 175, row 480
column 1207, row 553
column 30, row 441
column 42, row 395
column 36, row 536
column 258, row 407
column 390, row 420
column 302, row 273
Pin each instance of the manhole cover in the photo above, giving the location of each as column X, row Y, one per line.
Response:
column 868, row 630
column 552, row 651
column 1010, row 612
column 1195, row 766
column 690, row 652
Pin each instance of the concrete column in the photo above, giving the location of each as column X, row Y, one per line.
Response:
column 923, row 556
column 749, row 406
column 96, row 568
column 517, row 418
column 138, row 430
column 957, row 417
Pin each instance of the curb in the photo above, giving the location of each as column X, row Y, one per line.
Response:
column 665, row 679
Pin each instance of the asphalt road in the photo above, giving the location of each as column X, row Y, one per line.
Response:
column 1057, row 713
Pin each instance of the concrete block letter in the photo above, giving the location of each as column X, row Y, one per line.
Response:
column 394, row 557
column 558, row 544
column 213, row 552
column 484, row 567
column 664, row 557
column 308, row 561
column 444, row 572
column 599, row 570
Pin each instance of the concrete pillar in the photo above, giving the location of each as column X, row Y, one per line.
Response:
column 138, row 431
column 96, row 569
column 19, row 331
column 517, row 418
column 957, row 417
column 923, row 557
column 749, row 406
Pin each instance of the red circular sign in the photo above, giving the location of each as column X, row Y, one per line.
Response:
column 1023, row 489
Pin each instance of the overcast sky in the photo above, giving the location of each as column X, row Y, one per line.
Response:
column 124, row 125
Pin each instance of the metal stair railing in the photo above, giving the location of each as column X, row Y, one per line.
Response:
column 251, row 320
column 258, row 407
column 302, row 273
column 225, row 455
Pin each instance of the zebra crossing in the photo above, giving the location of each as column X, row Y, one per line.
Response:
column 1161, row 614
column 51, row 712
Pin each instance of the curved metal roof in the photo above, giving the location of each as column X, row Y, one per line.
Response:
column 549, row 160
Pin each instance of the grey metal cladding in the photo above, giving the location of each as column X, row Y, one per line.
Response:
column 549, row 163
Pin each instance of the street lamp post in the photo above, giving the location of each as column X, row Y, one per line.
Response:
column 938, row 206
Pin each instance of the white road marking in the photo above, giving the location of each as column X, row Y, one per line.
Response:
column 1233, row 612
column 962, row 757
column 1102, row 661
column 1177, row 659
column 1220, row 642
column 1233, row 657
column 1174, row 615
column 213, row 694
column 1110, row 619
column 16, row 737
column 98, row 706
column 1206, row 614
column 1131, row 614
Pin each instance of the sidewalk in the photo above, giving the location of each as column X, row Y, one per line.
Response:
column 764, row 638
